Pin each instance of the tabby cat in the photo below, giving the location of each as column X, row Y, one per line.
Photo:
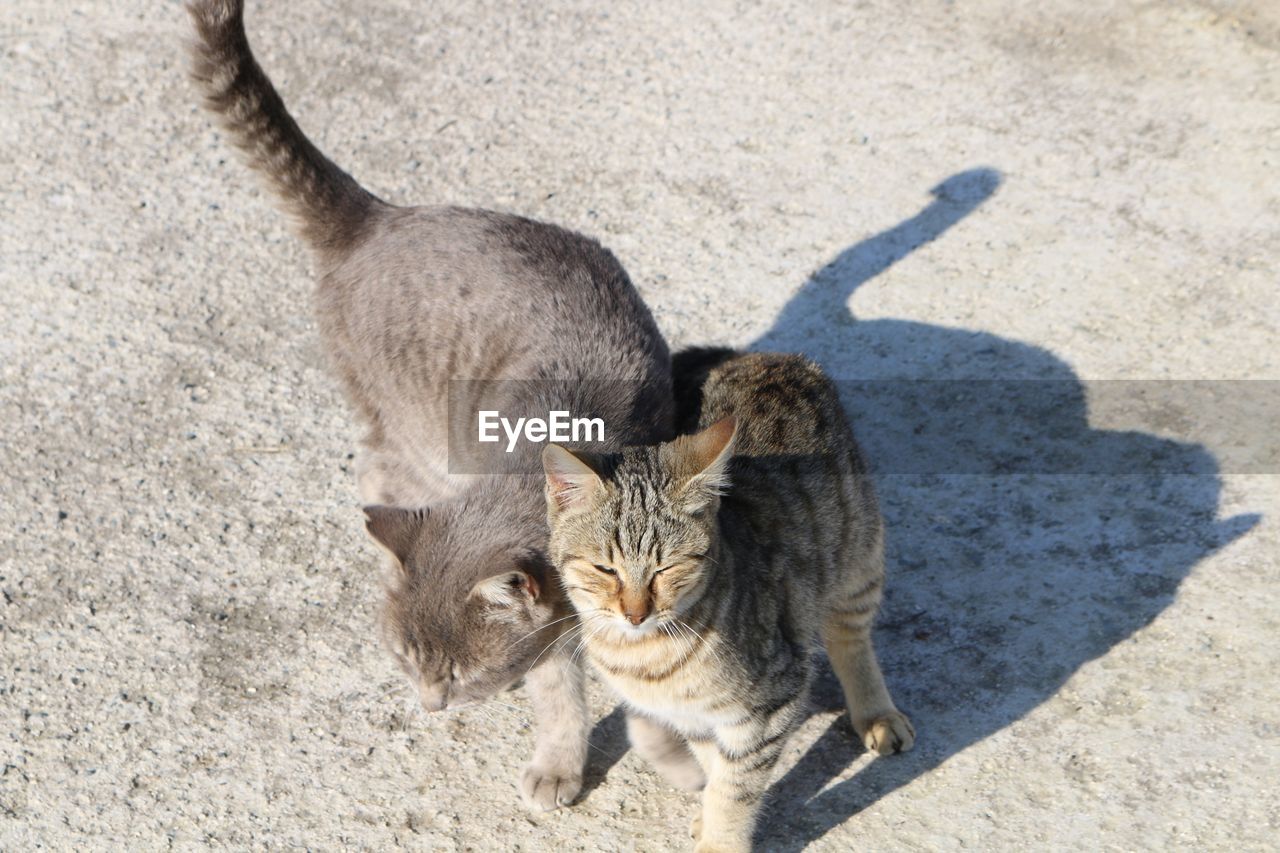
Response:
column 704, row 569
column 410, row 298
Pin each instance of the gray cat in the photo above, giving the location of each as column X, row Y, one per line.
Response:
column 705, row 568
column 410, row 298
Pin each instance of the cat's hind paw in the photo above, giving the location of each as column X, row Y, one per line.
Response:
column 707, row 845
column 890, row 733
column 711, row 845
column 544, row 789
column 667, row 752
column 681, row 770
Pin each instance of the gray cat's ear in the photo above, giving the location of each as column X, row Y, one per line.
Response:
column 571, row 482
column 702, row 459
column 508, row 588
column 394, row 529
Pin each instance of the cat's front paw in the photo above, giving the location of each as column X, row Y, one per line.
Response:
column 890, row 733
column 547, row 788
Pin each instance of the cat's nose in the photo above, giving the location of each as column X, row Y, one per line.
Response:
column 636, row 617
column 434, row 698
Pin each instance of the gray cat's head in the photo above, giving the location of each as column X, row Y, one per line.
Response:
column 633, row 539
column 464, row 607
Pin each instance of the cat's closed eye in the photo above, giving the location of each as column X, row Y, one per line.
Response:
column 605, row 569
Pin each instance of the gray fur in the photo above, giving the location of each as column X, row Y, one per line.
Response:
column 408, row 299
column 706, row 568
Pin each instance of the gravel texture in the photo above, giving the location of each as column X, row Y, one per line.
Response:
column 1088, row 649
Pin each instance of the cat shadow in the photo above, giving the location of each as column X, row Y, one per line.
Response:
column 608, row 744
column 1023, row 543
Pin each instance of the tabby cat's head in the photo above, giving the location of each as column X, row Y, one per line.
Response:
column 464, row 609
column 633, row 538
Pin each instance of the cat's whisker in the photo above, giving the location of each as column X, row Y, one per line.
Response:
column 574, row 630
column 568, row 634
column 680, row 642
column 587, row 640
column 694, row 635
column 689, row 644
column 524, row 719
column 574, row 615
column 398, row 688
column 686, row 629
column 520, row 714
column 488, row 714
column 675, row 639
column 539, row 628
column 411, row 708
column 364, row 702
column 589, row 629
column 689, row 635
column 514, row 709
column 503, row 720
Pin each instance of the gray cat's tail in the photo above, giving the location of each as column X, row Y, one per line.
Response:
column 328, row 207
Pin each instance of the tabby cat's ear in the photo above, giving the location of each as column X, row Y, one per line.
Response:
column 702, row 459
column 508, row 588
column 395, row 529
column 571, row 482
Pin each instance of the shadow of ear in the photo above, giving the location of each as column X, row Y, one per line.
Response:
column 1234, row 527
column 970, row 187
column 822, row 299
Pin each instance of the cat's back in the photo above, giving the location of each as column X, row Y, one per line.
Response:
column 472, row 272
column 431, row 295
column 784, row 404
column 801, row 509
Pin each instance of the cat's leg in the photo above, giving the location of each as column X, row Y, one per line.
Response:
column 373, row 457
column 378, row 481
column 383, row 477
column 666, row 751
column 705, row 752
column 558, row 691
column 847, row 636
column 739, row 762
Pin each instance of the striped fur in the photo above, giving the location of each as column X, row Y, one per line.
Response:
column 701, row 609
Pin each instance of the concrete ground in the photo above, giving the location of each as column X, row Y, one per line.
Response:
column 1082, row 609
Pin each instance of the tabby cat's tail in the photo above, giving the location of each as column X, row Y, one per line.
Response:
column 689, row 371
column 328, row 207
